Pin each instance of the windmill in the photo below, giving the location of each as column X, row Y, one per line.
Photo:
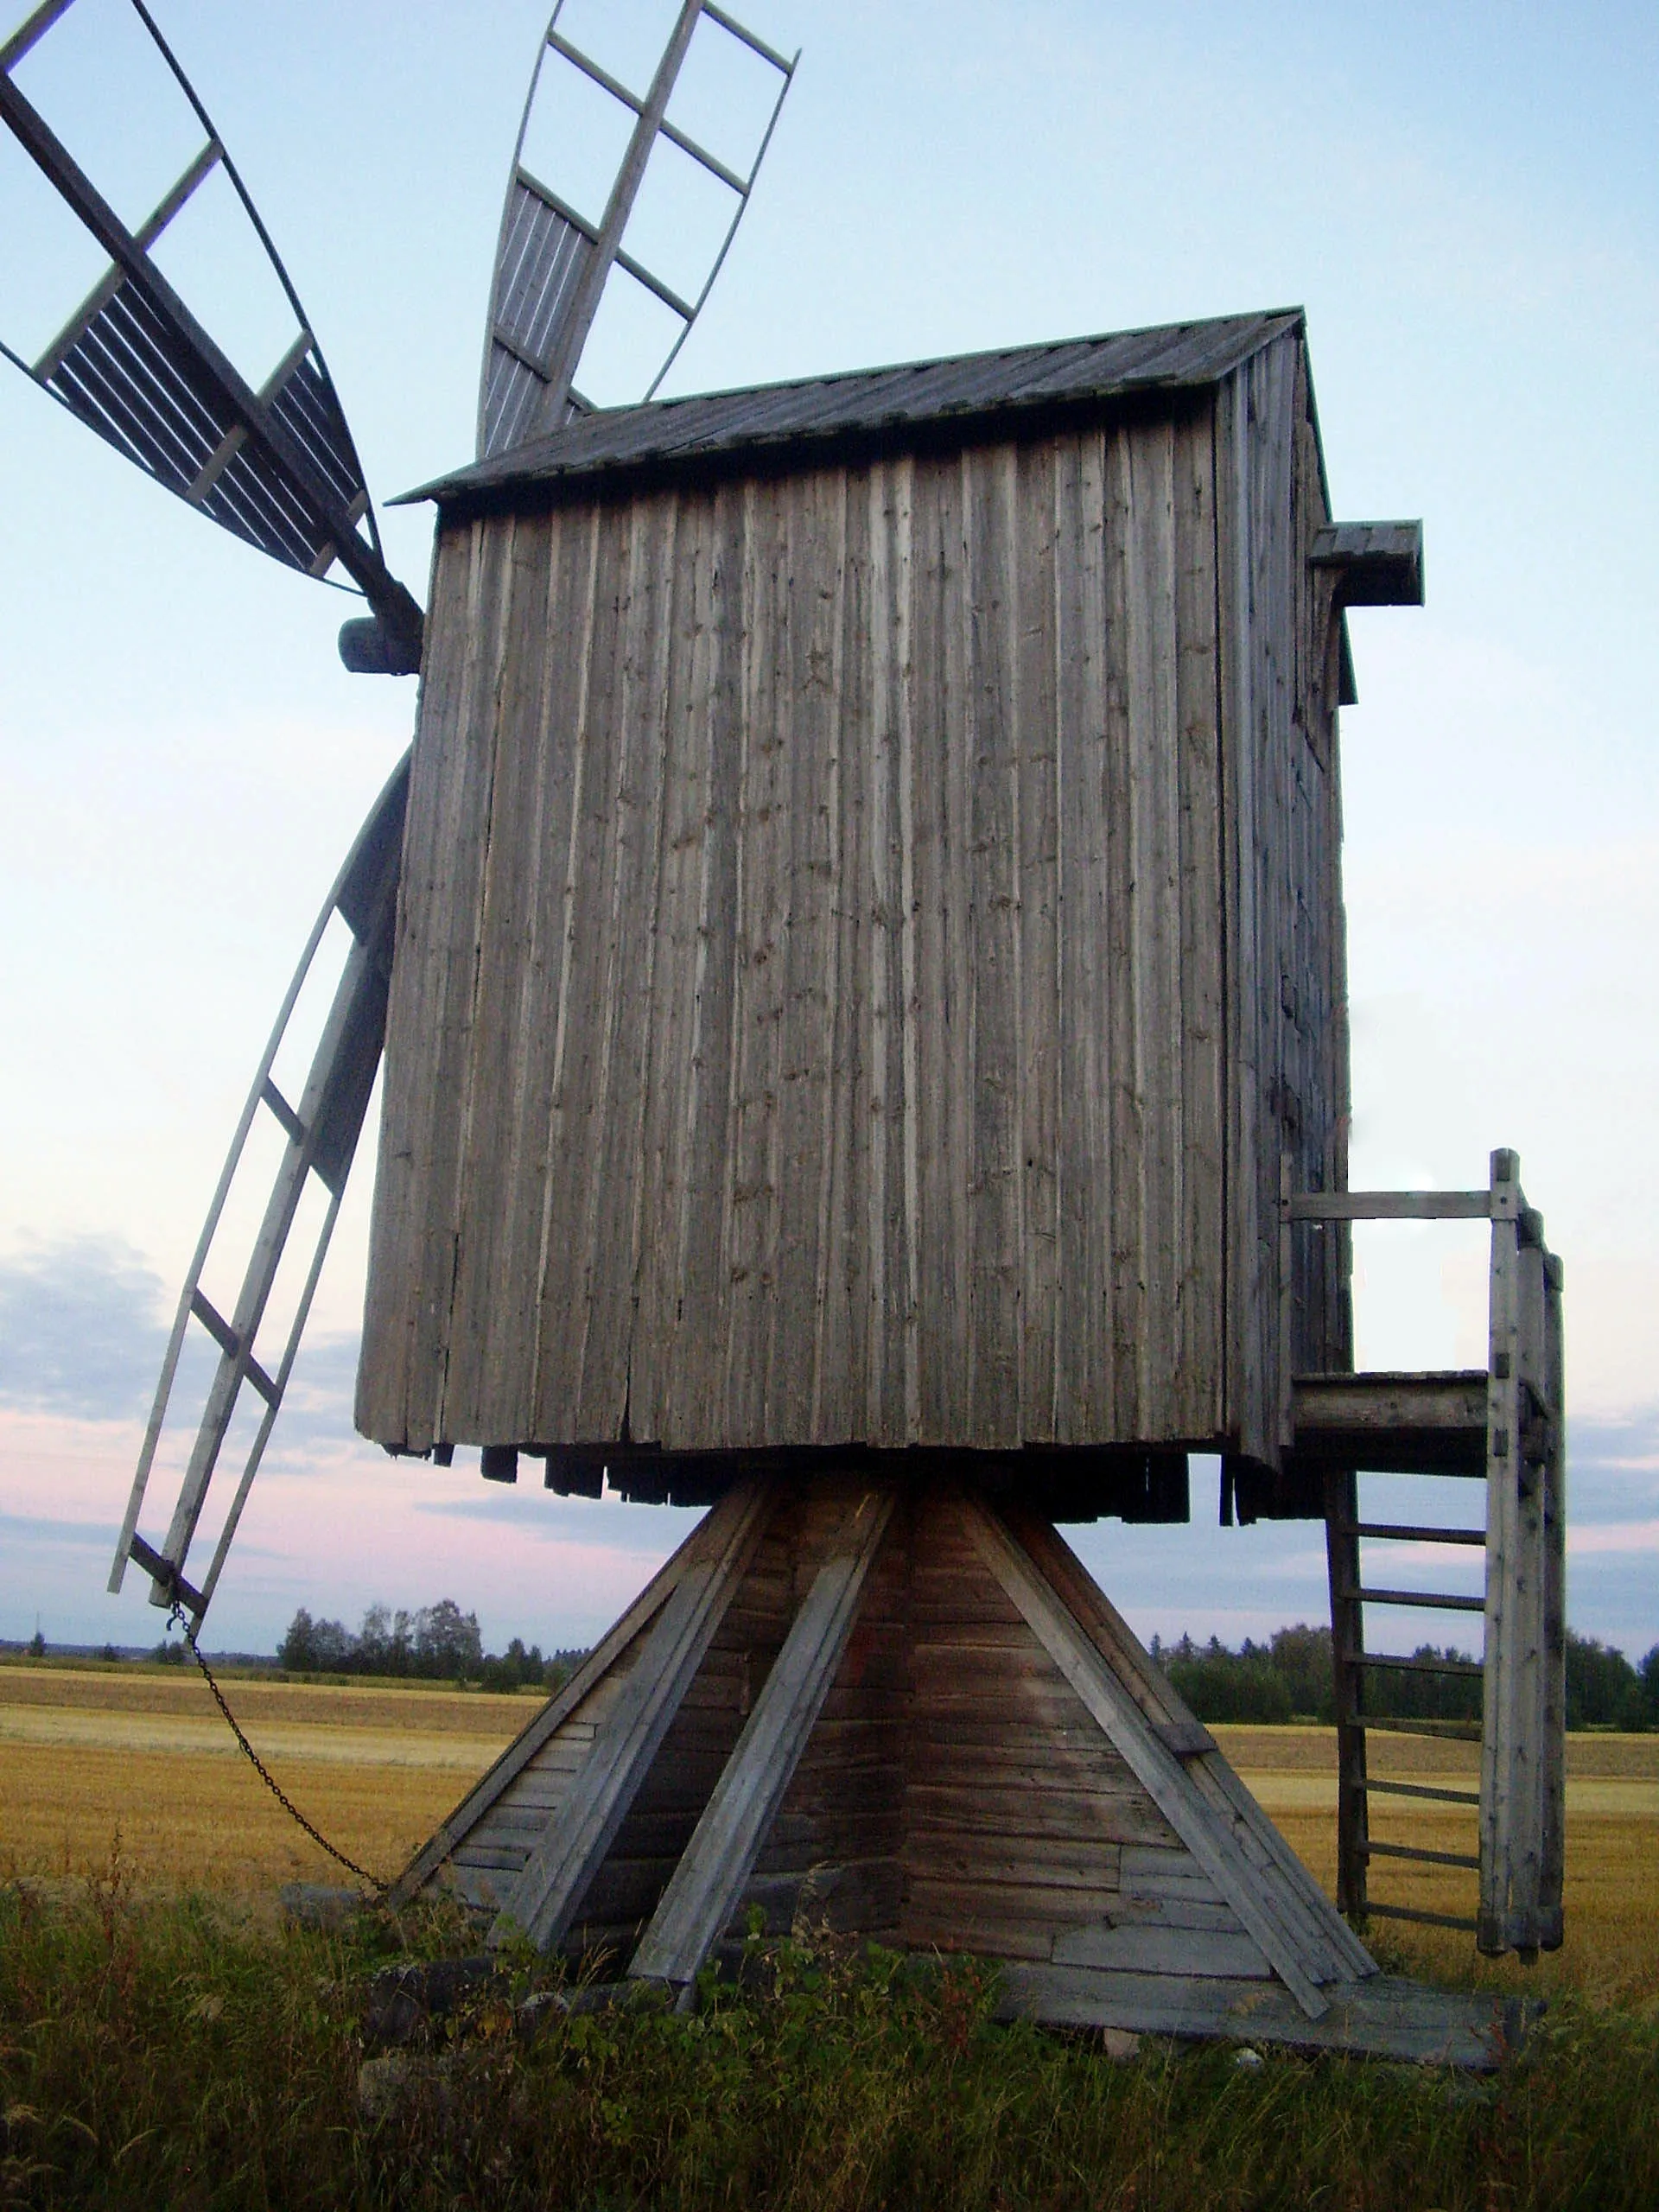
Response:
column 858, row 944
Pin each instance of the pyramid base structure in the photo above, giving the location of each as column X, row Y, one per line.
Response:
column 907, row 1712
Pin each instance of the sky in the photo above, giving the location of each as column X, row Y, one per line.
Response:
column 1464, row 199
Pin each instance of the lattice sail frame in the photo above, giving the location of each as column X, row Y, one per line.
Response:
column 553, row 263
column 322, row 1134
column 277, row 466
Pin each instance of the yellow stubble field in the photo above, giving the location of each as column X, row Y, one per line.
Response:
column 86, row 1754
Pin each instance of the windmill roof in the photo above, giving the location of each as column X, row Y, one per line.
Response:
column 974, row 389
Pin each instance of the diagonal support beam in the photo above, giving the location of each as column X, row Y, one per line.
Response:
column 1326, row 1946
column 552, row 1717
column 1156, row 1768
column 704, row 1889
column 557, row 1875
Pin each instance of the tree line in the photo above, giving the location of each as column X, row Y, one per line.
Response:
column 437, row 1643
column 1287, row 1677
column 1290, row 1677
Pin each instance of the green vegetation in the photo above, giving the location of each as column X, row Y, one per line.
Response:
column 437, row 1643
column 1289, row 1678
column 161, row 2054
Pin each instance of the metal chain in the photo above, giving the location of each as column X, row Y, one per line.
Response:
column 179, row 1618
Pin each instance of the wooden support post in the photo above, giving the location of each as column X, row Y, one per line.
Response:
column 558, row 1709
column 557, row 1875
column 1530, row 1454
column 1286, row 1309
column 705, row 1887
column 1503, row 1627
column 1347, row 1653
column 1554, row 1775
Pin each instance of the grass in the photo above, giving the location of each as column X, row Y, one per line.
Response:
column 166, row 2052
column 166, row 2041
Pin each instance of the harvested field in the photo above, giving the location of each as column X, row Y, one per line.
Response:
column 1612, row 1851
column 83, row 1754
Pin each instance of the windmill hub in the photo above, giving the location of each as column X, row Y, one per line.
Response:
column 371, row 646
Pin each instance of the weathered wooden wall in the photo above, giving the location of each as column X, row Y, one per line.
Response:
column 1287, row 1056
column 865, row 931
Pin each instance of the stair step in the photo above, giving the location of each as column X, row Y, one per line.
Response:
column 1445, row 1601
column 1375, row 1850
column 1375, row 1788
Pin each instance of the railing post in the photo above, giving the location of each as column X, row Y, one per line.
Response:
column 1553, row 1842
column 1499, row 1714
column 1347, row 1647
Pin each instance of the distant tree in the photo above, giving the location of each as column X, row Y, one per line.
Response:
column 297, row 1649
column 110, row 1655
column 37, row 1645
column 1228, row 1686
column 1648, row 1674
column 1603, row 1689
column 316, row 1647
column 447, row 1644
column 1302, row 1657
column 385, row 1642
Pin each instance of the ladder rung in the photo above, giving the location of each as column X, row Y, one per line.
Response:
column 1443, row 1601
column 1428, row 1919
column 163, row 1571
column 1403, row 1533
column 1421, row 1790
column 1399, row 1663
column 262, row 1382
column 214, row 1322
column 225, row 1337
column 1374, row 1850
column 293, row 1127
column 1454, row 1732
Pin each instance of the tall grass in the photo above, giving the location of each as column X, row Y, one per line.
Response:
column 162, row 2053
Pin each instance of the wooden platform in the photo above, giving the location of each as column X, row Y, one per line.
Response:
column 911, row 1715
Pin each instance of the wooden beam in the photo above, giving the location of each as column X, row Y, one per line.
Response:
column 1388, row 1205
column 553, row 1715
column 1381, row 2017
column 1433, row 1423
column 1209, row 1774
column 704, row 1890
column 1210, row 1841
column 557, row 1875
column 1373, row 563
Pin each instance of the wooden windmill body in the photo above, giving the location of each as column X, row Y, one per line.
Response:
column 869, row 958
column 871, row 924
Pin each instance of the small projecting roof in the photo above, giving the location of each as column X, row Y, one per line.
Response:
column 867, row 402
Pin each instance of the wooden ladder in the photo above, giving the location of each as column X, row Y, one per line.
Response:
column 1506, row 1427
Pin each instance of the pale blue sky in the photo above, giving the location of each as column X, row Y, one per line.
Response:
column 1462, row 196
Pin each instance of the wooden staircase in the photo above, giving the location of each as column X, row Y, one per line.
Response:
column 1502, row 1428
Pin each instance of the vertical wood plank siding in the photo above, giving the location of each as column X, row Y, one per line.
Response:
column 842, row 980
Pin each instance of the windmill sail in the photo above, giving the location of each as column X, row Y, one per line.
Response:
column 554, row 261
column 320, row 1133
column 275, row 464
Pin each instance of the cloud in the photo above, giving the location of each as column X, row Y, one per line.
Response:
column 32, row 1529
column 82, row 1330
